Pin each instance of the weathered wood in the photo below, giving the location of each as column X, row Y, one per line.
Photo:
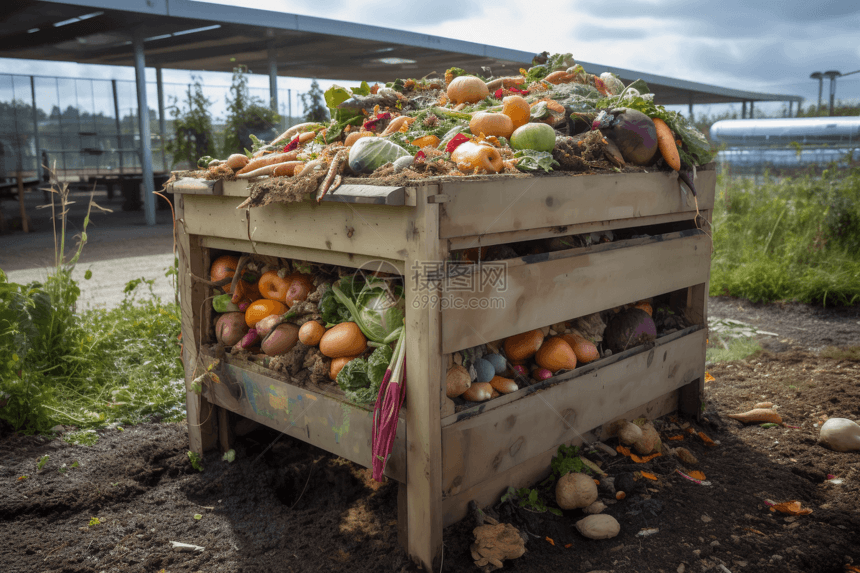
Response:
column 195, row 186
column 475, row 449
column 477, row 208
column 372, row 230
column 577, row 282
column 224, row 432
column 202, row 434
column 526, row 474
column 317, row 418
column 425, row 371
column 298, row 253
column 568, row 377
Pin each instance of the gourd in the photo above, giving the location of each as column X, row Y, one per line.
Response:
column 370, row 153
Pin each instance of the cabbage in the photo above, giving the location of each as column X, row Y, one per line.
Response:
column 377, row 307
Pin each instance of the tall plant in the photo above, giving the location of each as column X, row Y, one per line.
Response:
column 246, row 115
column 314, row 104
column 192, row 124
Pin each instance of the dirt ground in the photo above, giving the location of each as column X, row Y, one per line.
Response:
column 292, row 507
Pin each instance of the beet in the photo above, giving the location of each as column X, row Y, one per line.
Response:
column 629, row 328
column 632, row 131
column 281, row 340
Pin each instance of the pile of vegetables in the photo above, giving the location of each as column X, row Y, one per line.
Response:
column 545, row 119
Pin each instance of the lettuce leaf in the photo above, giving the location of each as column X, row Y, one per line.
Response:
column 530, row 160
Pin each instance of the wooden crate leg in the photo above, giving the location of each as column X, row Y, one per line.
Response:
column 202, row 430
column 402, row 521
column 224, row 430
column 423, row 399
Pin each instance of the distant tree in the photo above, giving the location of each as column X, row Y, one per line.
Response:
column 192, row 125
column 314, row 104
column 246, row 115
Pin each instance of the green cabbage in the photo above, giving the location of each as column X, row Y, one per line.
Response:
column 360, row 379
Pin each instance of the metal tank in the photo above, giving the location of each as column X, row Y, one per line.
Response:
column 841, row 131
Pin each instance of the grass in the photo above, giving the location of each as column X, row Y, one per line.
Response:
column 729, row 349
column 790, row 239
column 101, row 367
column 851, row 353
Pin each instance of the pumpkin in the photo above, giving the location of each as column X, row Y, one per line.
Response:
column 260, row 309
column 471, row 157
column 370, row 153
column 273, row 286
column 430, row 140
column 467, row 89
column 516, row 108
column 344, row 339
column 521, row 347
column 487, row 124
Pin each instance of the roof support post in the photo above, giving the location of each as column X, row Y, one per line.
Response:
column 744, row 110
column 691, row 108
column 752, row 108
column 162, row 131
column 38, row 152
column 273, row 75
column 143, row 121
column 118, row 124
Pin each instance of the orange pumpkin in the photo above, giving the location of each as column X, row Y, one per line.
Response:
column 471, row 157
column 556, row 354
column 516, row 108
column 521, row 347
column 272, row 286
column 467, row 89
column 260, row 309
column 488, row 124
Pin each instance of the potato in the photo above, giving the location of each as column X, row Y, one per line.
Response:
column 575, row 490
column 230, row 328
column 281, row 340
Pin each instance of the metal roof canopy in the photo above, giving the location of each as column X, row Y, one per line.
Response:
column 175, row 36
column 181, row 34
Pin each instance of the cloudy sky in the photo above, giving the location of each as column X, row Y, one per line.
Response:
column 758, row 45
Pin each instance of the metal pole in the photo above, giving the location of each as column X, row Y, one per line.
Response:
column 752, row 109
column 744, row 110
column 273, row 76
column 159, row 84
column 790, row 105
column 832, row 93
column 143, row 120
column 820, row 89
column 118, row 124
column 36, row 130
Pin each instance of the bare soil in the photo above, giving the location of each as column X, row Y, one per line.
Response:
column 292, row 507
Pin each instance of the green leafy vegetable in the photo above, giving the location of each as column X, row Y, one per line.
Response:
column 531, row 160
column 361, row 378
column 363, row 89
column 332, row 310
column 567, row 461
column 378, row 308
column 553, row 63
column 196, row 461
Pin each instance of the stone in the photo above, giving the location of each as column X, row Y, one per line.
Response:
column 596, row 507
column 840, row 435
column 600, row 526
column 686, row 456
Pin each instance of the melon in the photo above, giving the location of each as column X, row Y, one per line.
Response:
column 536, row 136
column 370, row 153
column 629, row 328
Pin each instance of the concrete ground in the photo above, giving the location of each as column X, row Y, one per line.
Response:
column 120, row 247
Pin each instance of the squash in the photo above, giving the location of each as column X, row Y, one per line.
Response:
column 273, row 286
column 470, row 156
column 516, row 108
column 584, row 349
column 311, row 333
column 344, row 339
column 521, row 347
column 355, row 136
column 370, row 153
column 488, row 124
column 467, row 89
column 260, row 309
column 555, row 354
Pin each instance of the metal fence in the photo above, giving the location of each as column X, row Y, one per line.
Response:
column 89, row 128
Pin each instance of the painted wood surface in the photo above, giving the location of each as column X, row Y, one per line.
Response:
column 568, row 284
column 372, row 230
column 527, row 473
column 317, row 418
column 476, row 208
column 476, row 449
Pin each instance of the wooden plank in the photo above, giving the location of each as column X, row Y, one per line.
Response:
column 480, row 408
column 196, row 186
column 369, row 194
column 224, row 433
column 372, row 230
column 478, row 208
column 425, row 368
column 457, row 243
column 334, row 425
column 455, row 508
column 578, row 282
column 202, row 434
column 298, row 253
column 475, row 449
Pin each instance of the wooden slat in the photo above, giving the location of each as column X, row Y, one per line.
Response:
column 372, row 230
column 369, row 194
column 476, row 449
column 476, row 208
column 195, row 186
column 526, row 474
column 578, row 282
column 320, row 419
column 424, row 367
column 202, row 432
column 298, row 253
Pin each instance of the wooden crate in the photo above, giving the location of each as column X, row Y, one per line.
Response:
column 443, row 458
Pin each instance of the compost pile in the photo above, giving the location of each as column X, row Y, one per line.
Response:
column 553, row 117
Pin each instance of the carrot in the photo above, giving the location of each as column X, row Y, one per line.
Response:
column 559, row 77
column 757, row 416
column 397, row 124
column 666, row 143
column 288, row 168
column 291, row 132
column 270, row 159
column 508, row 82
column 265, row 170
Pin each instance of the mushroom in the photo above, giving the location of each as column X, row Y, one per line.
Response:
column 495, row 543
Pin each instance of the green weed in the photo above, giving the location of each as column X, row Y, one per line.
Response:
column 196, row 461
column 788, row 239
column 730, row 349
